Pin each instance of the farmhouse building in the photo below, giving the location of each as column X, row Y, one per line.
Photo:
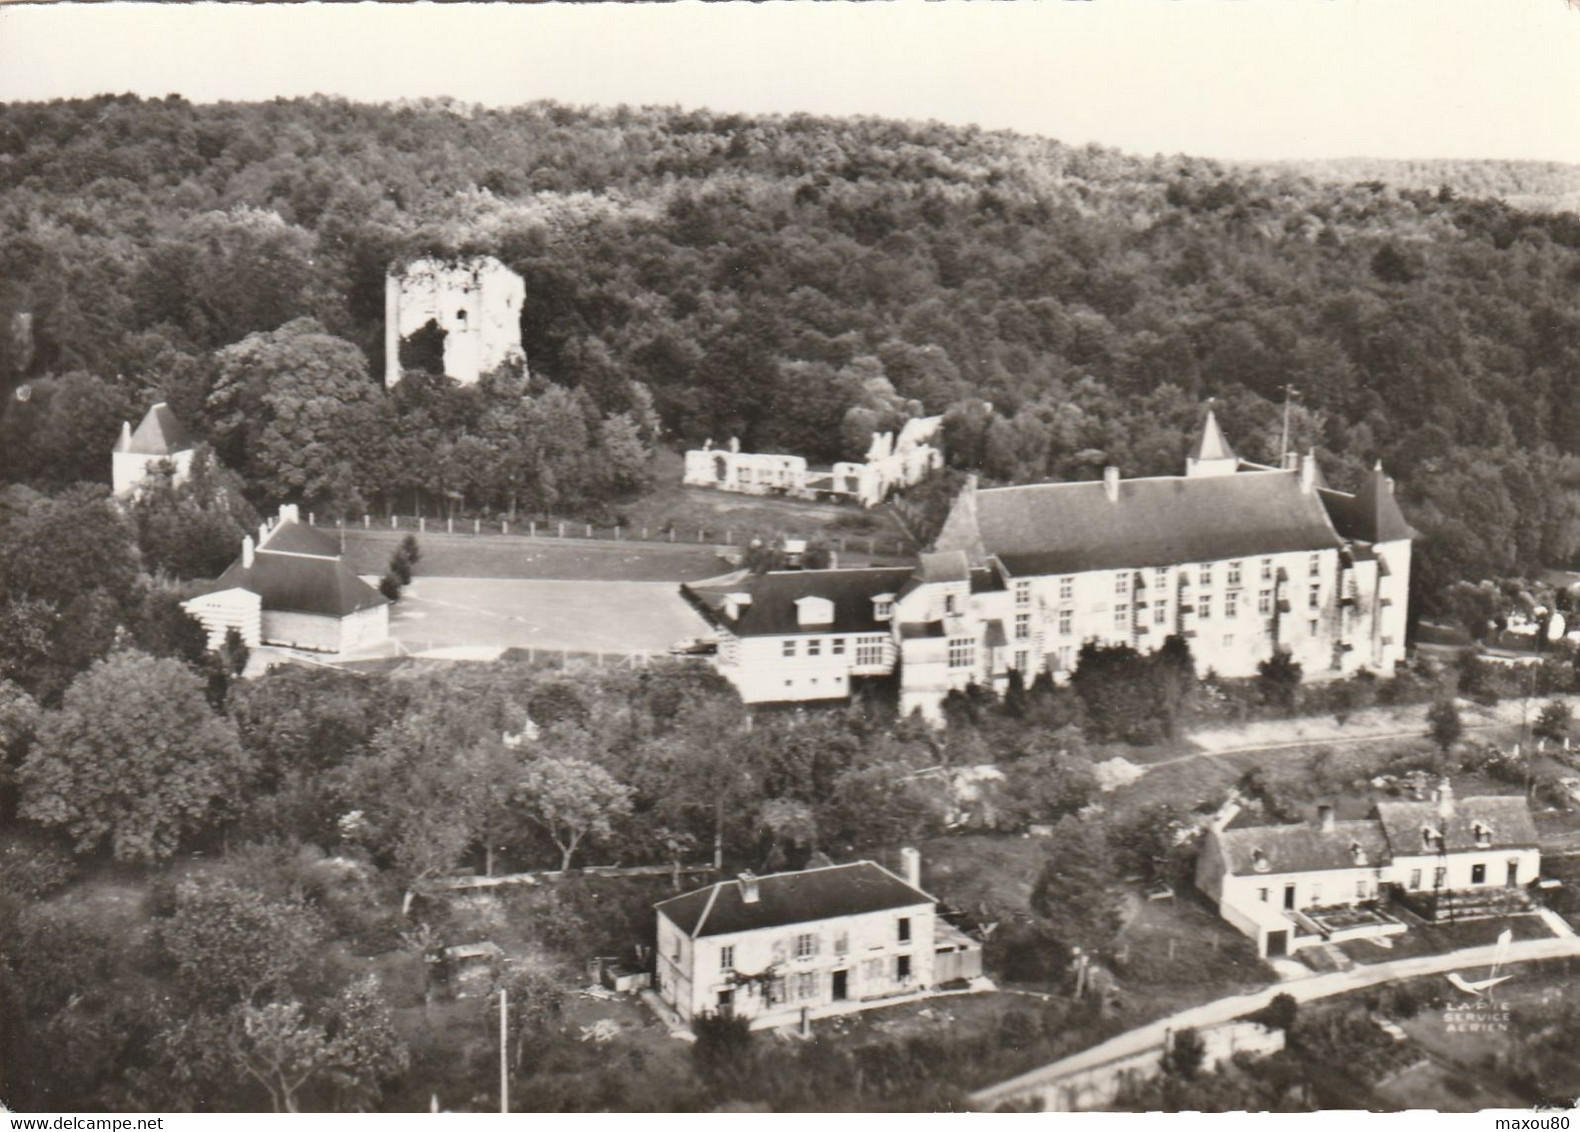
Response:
column 291, row 589
column 1294, row 886
column 811, row 944
column 475, row 303
column 159, row 436
column 1240, row 560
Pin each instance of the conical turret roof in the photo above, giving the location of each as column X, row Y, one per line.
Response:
column 1212, row 445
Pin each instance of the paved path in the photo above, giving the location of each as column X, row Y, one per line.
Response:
column 1151, row 1036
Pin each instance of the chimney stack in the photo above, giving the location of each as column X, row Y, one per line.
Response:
column 1445, row 800
column 1308, row 472
column 1111, row 483
column 749, row 893
column 1291, row 461
column 1325, row 818
column 912, row 859
column 246, row 552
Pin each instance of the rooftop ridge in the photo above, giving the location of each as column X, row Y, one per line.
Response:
column 1257, row 470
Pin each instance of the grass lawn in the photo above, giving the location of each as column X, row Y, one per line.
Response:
column 517, row 556
column 1469, row 1066
column 499, row 613
column 1177, row 953
column 743, row 517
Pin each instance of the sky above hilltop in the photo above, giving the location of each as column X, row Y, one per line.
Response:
column 1218, row 78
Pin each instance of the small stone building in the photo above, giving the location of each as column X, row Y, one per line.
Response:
column 291, row 589
column 159, row 436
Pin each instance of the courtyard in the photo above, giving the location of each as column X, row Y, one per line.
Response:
column 478, row 618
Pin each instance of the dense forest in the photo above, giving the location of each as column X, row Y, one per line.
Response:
column 794, row 281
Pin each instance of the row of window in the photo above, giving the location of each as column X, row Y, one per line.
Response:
column 1160, row 576
column 807, row 986
column 804, row 945
column 869, row 649
column 1363, row 888
column 1160, row 612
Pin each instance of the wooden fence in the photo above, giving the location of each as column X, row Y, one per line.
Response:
column 566, row 529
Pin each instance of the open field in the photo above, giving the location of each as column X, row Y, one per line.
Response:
column 490, row 614
column 513, row 556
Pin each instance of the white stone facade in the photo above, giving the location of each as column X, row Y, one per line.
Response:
column 891, row 464
column 477, row 303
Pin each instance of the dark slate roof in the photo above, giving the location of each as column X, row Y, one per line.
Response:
column 1303, row 848
column 1067, row 528
column 772, row 612
column 1508, row 817
column 289, row 537
column 288, row 583
column 791, row 898
column 159, row 434
column 1371, row 514
column 985, row 579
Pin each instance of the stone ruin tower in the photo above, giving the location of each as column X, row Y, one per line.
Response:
column 475, row 302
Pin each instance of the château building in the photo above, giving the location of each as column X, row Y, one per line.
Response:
column 1240, row 560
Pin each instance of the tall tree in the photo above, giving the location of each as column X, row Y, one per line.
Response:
column 296, row 410
column 572, row 800
column 135, row 758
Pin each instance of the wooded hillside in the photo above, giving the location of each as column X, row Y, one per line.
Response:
column 791, row 280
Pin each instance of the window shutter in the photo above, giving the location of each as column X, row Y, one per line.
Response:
column 817, row 944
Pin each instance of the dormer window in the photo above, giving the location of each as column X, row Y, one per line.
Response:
column 883, row 607
column 1357, row 854
column 1259, row 861
column 1482, row 833
column 814, row 611
column 1431, row 839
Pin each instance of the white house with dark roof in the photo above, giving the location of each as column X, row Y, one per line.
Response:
column 1240, row 560
column 812, row 944
column 159, row 436
column 1296, row 885
column 291, row 589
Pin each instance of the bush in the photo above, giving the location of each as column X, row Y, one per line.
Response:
column 35, row 870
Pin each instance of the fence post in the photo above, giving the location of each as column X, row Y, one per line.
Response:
column 422, row 524
column 449, row 525
column 532, row 528
column 504, row 526
column 617, row 534
column 477, row 526
column 562, row 530
column 589, row 530
column 367, row 521
column 312, row 519
column 394, row 522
